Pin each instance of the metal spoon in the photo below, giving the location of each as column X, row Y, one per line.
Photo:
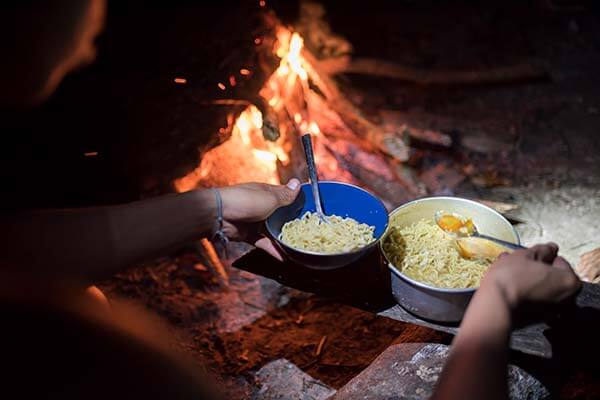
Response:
column 312, row 173
column 472, row 243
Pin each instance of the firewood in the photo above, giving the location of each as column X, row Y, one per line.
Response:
column 424, row 136
column 320, row 346
column 210, row 254
column 442, row 179
column 498, row 206
column 270, row 127
column 317, row 32
column 380, row 179
column 387, row 69
column 388, row 143
column 478, row 126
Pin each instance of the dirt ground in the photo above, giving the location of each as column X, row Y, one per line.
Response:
column 236, row 330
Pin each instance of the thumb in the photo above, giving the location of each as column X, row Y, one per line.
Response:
column 288, row 193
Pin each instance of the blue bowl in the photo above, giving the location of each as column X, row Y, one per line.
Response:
column 339, row 199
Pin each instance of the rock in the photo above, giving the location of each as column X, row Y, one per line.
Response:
column 487, row 144
column 410, row 371
column 282, row 380
column 588, row 268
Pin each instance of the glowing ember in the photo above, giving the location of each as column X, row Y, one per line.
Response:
column 266, row 156
column 181, row 81
column 294, row 58
column 237, row 160
column 244, row 72
column 221, row 86
column 314, row 128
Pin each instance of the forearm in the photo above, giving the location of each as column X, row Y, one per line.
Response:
column 477, row 364
column 92, row 243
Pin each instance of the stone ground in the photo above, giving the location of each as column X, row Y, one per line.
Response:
column 564, row 215
column 402, row 371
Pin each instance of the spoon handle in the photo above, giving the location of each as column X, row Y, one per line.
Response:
column 312, row 172
column 501, row 242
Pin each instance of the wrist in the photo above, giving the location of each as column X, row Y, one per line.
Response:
column 227, row 200
column 506, row 290
column 206, row 210
column 489, row 316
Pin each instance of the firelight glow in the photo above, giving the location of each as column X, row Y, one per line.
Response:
column 247, row 149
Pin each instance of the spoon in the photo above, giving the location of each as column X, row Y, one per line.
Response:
column 471, row 243
column 312, row 173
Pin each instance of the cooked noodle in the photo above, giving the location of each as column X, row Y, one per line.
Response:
column 340, row 235
column 425, row 253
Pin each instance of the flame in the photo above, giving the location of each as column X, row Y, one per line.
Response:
column 314, row 128
column 247, row 156
column 289, row 50
column 266, row 156
column 294, row 58
column 237, row 159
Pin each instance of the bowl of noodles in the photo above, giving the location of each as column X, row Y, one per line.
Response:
column 356, row 220
column 429, row 276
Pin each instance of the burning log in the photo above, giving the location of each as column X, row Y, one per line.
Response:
column 298, row 97
column 390, row 144
column 373, row 171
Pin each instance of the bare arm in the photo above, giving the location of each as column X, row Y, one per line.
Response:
column 91, row 243
column 477, row 365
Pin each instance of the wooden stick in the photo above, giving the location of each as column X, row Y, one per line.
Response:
column 386, row 69
column 502, row 208
column 320, row 346
column 211, row 255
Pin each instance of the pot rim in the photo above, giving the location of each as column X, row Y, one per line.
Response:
column 422, row 285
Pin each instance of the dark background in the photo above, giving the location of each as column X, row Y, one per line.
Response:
column 147, row 130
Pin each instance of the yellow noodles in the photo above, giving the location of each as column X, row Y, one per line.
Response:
column 425, row 253
column 340, row 235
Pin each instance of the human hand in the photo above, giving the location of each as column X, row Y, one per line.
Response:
column 247, row 204
column 534, row 275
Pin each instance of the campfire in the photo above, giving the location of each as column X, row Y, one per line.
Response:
column 299, row 96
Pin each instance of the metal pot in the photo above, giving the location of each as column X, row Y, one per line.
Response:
column 429, row 302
